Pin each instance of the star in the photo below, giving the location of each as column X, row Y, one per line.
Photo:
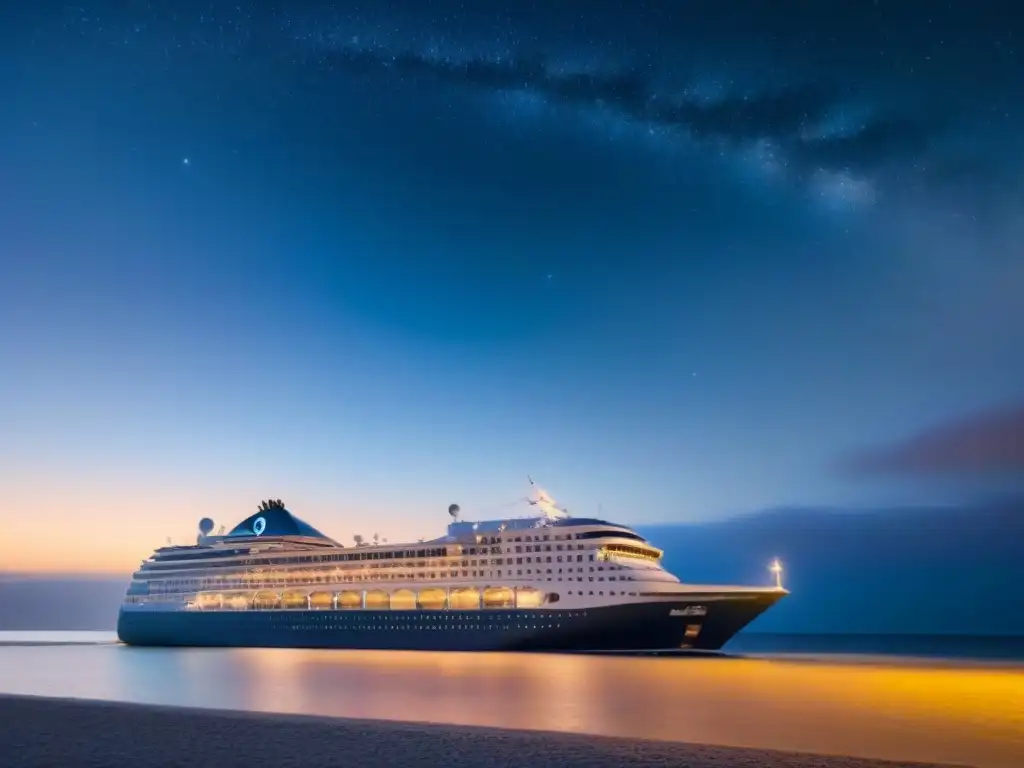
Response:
column 185, row 161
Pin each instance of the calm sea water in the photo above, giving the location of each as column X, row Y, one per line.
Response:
column 952, row 647
column 925, row 646
column 945, row 700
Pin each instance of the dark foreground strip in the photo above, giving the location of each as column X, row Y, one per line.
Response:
column 40, row 732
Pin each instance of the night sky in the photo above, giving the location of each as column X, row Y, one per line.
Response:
column 677, row 260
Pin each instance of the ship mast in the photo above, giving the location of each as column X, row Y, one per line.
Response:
column 545, row 503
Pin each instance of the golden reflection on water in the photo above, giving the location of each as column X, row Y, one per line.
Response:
column 964, row 714
column 896, row 709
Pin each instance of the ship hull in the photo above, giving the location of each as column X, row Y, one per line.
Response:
column 704, row 623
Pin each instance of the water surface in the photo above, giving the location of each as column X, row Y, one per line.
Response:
column 955, row 711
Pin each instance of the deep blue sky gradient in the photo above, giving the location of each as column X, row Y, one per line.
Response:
column 680, row 260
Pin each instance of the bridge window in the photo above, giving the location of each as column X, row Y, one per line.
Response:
column 631, row 551
column 605, row 533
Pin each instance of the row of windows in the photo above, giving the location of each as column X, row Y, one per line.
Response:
column 175, row 563
column 252, row 580
column 501, row 615
column 339, row 571
column 312, row 576
column 421, row 621
column 139, row 597
column 172, row 561
column 168, row 561
column 630, row 551
column 449, row 616
column 585, row 535
column 176, row 595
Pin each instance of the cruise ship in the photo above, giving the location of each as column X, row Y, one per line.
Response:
column 543, row 582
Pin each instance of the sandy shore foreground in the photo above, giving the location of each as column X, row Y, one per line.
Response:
column 37, row 731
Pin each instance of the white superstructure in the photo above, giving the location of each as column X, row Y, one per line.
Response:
column 275, row 561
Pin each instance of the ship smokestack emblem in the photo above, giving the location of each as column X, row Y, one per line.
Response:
column 259, row 525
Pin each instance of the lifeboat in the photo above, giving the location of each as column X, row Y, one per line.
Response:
column 465, row 599
column 528, row 597
column 403, row 600
column 294, row 600
column 321, row 600
column 499, row 597
column 266, row 600
column 432, row 599
column 350, row 600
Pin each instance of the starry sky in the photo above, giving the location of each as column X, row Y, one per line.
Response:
column 677, row 260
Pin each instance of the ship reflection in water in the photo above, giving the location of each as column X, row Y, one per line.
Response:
column 953, row 712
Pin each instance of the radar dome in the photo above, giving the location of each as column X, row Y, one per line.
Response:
column 453, row 510
column 205, row 526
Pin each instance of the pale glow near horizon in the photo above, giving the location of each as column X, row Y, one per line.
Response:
column 91, row 525
column 112, row 532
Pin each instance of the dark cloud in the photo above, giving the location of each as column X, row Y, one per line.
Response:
column 779, row 116
column 991, row 442
column 784, row 117
column 877, row 143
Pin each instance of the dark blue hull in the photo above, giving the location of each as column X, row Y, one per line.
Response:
column 660, row 625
